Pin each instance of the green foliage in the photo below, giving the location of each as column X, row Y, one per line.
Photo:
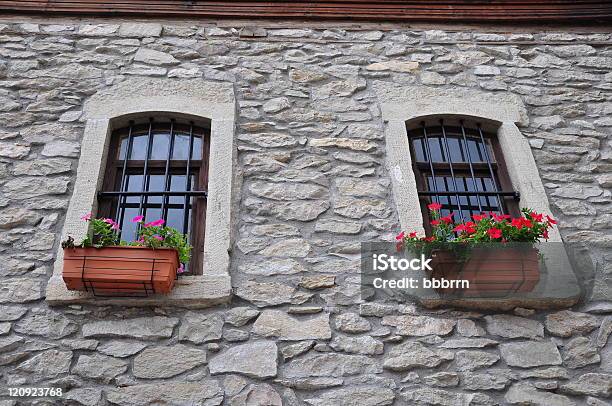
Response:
column 105, row 233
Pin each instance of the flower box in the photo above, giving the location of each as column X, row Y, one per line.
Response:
column 120, row 270
column 490, row 272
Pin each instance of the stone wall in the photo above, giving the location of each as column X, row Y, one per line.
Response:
column 310, row 142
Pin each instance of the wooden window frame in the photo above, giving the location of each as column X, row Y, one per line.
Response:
column 498, row 163
column 114, row 168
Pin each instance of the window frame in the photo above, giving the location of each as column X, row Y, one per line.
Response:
column 498, row 164
column 108, row 206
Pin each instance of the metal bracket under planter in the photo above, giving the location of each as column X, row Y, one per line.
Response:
column 120, row 271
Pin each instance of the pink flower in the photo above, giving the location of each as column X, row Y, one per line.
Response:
column 115, row 226
column 158, row 237
column 412, row 234
column 137, row 219
column 181, row 269
column 155, row 223
column 400, row 236
column 86, row 217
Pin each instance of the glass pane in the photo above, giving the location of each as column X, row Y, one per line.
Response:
column 175, row 218
column 134, row 184
column 181, row 147
column 161, row 146
column 123, row 148
column 139, row 148
column 435, row 150
column 156, row 184
column 454, row 150
column 177, row 183
column 419, row 150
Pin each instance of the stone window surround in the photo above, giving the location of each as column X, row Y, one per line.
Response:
column 499, row 113
column 137, row 97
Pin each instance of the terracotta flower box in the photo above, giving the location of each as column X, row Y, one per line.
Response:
column 120, row 271
column 490, row 272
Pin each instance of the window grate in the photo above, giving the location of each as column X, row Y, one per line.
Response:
column 158, row 170
column 462, row 169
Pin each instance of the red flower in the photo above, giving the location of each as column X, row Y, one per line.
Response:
column 517, row 222
column 521, row 222
column 478, row 217
column 434, row 206
column 550, row 220
column 537, row 216
column 500, row 218
column 428, row 239
column 494, row 233
column 448, row 219
column 545, row 234
column 435, row 222
column 412, row 234
column 468, row 228
column 400, row 236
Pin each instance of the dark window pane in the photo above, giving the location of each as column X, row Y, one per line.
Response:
column 419, row 150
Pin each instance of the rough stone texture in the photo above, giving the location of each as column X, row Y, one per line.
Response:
column 165, row 362
column 366, row 396
column 274, row 323
column 523, row 394
column 147, row 328
column 513, row 327
column 411, row 355
column 525, row 354
column 567, row 323
column 99, row 367
column 419, row 325
column 206, row 392
column 311, row 158
column 199, row 329
column 257, row 360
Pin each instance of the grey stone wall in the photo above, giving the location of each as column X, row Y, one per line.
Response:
column 310, row 142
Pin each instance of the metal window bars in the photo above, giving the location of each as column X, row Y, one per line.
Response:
column 449, row 159
column 145, row 195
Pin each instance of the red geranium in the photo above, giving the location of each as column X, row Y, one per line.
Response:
column 494, row 233
column 434, row 206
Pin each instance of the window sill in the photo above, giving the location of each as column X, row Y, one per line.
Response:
column 190, row 291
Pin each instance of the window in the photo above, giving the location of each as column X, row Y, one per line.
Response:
column 158, row 169
column 462, row 168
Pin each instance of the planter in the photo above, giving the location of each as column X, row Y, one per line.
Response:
column 120, row 271
column 490, row 271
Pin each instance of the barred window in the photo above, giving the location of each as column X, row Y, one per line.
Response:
column 158, row 169
column 462, row 168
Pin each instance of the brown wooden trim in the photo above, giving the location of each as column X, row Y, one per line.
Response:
column 576, row 11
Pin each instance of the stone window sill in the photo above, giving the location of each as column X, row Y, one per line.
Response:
column 190, row 291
